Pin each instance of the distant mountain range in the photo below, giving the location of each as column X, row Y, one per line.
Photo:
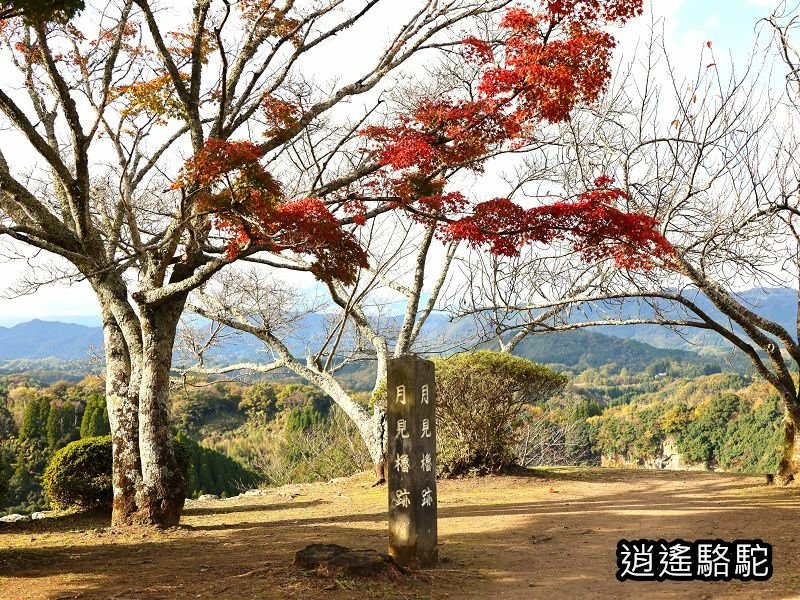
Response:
column 50, row 350
column 582, row 349
column 48, row 339
column 640, row 344
column 776, row 304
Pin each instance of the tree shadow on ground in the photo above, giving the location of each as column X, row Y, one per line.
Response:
column 219, row 508
column 551, row 547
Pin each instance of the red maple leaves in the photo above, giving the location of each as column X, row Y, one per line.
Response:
column 549, row 62
column 545, row 64
column 247, row 204
column 594, row 225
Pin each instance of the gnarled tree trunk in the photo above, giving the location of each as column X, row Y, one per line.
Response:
column 789, row 468
column 377, row 443
column 123, row 414
column 162, row 491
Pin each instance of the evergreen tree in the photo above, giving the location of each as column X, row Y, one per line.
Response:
column 5, row 474
column 95, row 417
column 213, row 472
column 62, row 425
column 34, row 421
column 8, row 429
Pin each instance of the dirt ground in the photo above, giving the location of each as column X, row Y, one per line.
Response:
column 550, row 534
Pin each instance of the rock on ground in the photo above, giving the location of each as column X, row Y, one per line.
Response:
column 14, row 518
column 339, row 559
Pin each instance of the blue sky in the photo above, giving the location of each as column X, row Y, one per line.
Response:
column 729, row 22
column 730, row 25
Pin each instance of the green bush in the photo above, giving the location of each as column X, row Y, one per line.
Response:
column 212, row 472
column 80, row 474
column 480, row 402
column 326, row 449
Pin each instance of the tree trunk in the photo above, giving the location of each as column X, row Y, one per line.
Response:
column 370, row 427
column 789, row 467
column 378, row 443
column 123, row 415
column 162, row 491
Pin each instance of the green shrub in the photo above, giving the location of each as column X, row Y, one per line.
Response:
column 80, row 474
column 210, row 471
column 327, row 449
column 480, row 402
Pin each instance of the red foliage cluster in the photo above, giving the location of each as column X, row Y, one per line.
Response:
column 31, row 52
column 307, row 226
column 221, row 157
column 477, row 51
column 247, row 203
column 549, row 62
column 279, row 114
column 544, row 76
column 618, row 11
column 441, row 133
column 595, row 226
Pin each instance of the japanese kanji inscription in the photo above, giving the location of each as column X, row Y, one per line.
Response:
column 411, row 458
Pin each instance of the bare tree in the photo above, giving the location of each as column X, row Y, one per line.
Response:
column 362, row 325
column 714, row 158
column 104, row 112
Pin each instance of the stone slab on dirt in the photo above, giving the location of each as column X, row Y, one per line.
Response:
column 334, row 559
